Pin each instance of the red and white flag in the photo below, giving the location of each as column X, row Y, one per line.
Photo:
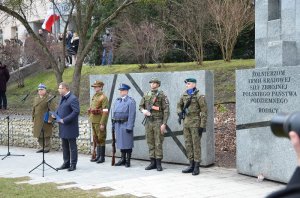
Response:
column 49, row 21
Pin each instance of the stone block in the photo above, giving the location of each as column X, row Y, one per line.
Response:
column 261, row 46
column 281, row 53
column 260, row 94
column 261, row 19
column 288, row 24
column 274, row 29
column 173, row 85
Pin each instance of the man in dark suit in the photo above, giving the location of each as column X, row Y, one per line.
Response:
column 67, row 117
column 292, row 189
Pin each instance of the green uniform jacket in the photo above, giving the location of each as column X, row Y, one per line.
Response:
column 98, row 111
column 40, row 107
column 161, row 102
column 196, row 114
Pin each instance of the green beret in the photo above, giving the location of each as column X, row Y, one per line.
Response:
column 154, row 80
column 193, row 80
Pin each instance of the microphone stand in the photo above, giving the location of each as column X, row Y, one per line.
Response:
column 43, row 137
column 8, row 152
column 8, row 133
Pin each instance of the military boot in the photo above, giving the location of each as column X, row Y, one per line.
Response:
column 196, row 170
column 122, row 160
column 158, row 165
column 190, row 168
column 128, row 157
column 102, row 155
column 152, row 164
column 97, row 156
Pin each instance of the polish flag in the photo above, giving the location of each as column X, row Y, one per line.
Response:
column 49, row 21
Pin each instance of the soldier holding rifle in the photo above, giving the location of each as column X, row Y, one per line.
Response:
column 98, row 113
column 155, row 107
column 192, row 109
column 123, row 118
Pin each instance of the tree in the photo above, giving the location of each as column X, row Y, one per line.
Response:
column 84, row 10
column 189, row 18
column 142, row 41
column 229, row 19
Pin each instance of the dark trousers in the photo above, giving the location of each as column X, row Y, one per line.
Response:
column 3, row 100
column 70, row 153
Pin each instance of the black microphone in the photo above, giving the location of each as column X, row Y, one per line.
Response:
column 51, row 98
column 23, row 99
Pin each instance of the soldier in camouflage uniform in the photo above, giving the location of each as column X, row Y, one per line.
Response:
column 155, row 107
column 195, row 115
column 40, row 107
column 98, row 113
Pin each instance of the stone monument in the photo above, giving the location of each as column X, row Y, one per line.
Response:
column 173, row 85
column 270, row 88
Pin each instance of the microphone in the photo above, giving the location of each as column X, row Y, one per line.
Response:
column 24, row 98
column 51, row 98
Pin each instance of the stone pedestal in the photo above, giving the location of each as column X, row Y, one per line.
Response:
column 261, row 93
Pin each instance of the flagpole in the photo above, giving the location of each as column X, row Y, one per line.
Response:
column 54, row 20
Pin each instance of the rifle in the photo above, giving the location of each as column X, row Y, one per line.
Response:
column 181, row 115
column 113, row 158
column 149, row 108
column 94, row 148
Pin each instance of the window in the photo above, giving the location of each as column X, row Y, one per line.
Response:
column 274, row 9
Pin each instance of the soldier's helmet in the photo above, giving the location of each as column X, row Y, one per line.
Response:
column 98, row 83
column 155, row 80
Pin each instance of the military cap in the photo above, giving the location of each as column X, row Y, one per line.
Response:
column 124, row 87
column 42, row 86
column 98, row 83
column 193, row 80
column 155, row 80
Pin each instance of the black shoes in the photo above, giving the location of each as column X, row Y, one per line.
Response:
column 102, row 155
column 72, row 168
column 196, row 170
column 122, row 160
column 152, row 164
column 158, row 165
column 46, row 151
column 190, row 168
column 64, row 166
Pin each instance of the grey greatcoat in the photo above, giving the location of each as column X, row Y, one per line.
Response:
column 40, row 107
column 123, row 114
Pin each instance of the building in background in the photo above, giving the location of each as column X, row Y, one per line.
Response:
column 11, row 28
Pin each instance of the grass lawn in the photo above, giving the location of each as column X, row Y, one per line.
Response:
column 224, row 74
column 10, row 189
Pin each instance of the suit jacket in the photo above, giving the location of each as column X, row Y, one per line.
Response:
column 68, row 110
column 292, row 189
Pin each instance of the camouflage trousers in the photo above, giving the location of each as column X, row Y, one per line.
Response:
column 192, row 143
column 98, row 135
column 154, row 139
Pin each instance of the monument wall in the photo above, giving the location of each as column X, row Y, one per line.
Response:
column 172, row 83
column 270, row 88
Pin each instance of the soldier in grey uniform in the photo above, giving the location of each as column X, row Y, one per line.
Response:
column 193, row 109
column 123, row 118
column 155, row 107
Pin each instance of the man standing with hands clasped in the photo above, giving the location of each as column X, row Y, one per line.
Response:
column 193, row 109
column 155, row 107
column 67, row 117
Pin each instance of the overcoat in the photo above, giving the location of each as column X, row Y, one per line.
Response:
column 68, row 110
column 40, row 107
column 124, row 112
